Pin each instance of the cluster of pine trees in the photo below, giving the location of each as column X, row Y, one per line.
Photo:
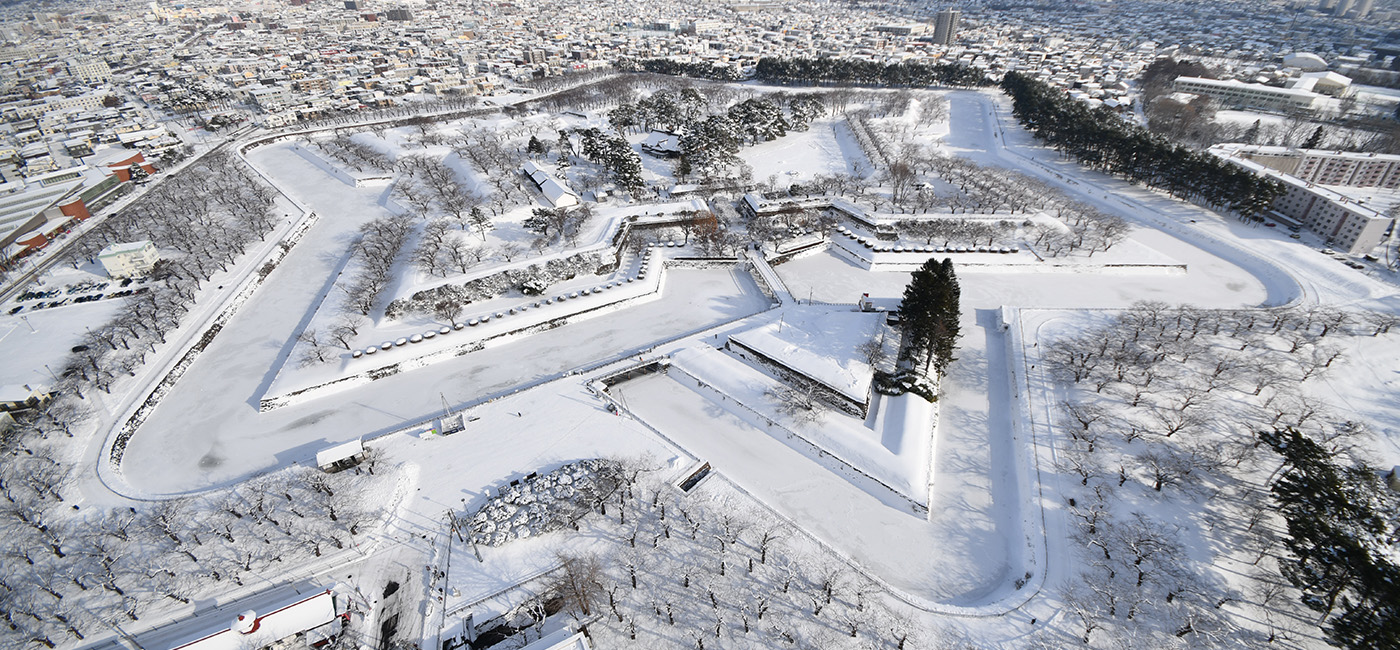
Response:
column 823, row 71
column 613, row 153
column 1341, row 527
column 681, row 69
column 708, row 147
column 929, row 315
column 868, row 73
column 1099, row 139
column 663, row 109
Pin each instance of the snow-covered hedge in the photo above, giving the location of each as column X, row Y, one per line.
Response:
column 905, row 381
column 531, row 280
column 545, row 503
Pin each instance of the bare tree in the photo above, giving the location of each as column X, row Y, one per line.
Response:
column 579, row 582
column 448, row 310
column 799, row 404
column 510, row 251
column 314, row 350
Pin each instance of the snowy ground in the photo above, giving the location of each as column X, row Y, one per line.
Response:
column 54, row 332
column 821, row 346
column 991, row 520
column 825, row 148
column 218, row 398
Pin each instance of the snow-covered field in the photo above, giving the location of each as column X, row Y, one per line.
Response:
column 954, row 511
column 825, row 148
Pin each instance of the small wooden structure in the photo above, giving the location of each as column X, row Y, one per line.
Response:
column 341, row 457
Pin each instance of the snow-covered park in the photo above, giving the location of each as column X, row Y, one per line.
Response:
column 647, row 391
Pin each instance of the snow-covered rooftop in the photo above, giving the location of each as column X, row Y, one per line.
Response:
column 301, row 616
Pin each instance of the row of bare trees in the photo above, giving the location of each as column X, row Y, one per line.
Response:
column 201, row 220
column 428, row 182
column 1166, row 470
column 1086, row 229
column 709, row 570
column 69, row 574
column 976, row 232
column 376, row 251
column 441, row 252
column 352, row 153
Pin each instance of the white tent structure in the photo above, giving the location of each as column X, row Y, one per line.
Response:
column 315, row 617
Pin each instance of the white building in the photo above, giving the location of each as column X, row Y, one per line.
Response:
column 89, row 70
column 555, row 192
column 133, row 259
column 561, row 640
column 270, row 98
column 1346, row 224
column 1231, row 93
column 1325, row 83
column 1324, row 167
column 1305, row 61
column 315, row 620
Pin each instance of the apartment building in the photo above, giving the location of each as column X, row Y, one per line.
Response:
column 1346, row 224
column 1324, row 167
column 945, row 26
column 1231, row 93
column 90, row 70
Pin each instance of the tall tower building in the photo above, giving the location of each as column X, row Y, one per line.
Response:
column 945, row 26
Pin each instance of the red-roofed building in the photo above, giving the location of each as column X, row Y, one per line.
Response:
column 122, row 168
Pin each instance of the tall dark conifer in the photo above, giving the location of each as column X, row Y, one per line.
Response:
column 930, row 314
column 1339, row 542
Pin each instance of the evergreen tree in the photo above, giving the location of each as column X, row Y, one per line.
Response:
column 759, row 120
column 623, row 117
column 709, row 148
column 929, row 313
column 625, row 165
column 478, row 219
column 1315, row 140
column 535, row 147
column 542, row 221
column 803, row 109
column 1103, row 141
column 1251, row 135
column 692, row 105
column 1339, row 541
